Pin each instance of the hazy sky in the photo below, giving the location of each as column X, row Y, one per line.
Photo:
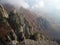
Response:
column 36, row 3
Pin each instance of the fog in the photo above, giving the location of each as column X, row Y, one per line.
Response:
column 17, row 3
column 50, row 8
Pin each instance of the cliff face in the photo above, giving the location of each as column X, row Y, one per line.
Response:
column 46, row 26
column 20, row 29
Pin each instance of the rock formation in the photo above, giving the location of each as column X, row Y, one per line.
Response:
column 15, row 29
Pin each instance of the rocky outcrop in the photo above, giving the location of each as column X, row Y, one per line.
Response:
column 42, row 42
column 15, row 29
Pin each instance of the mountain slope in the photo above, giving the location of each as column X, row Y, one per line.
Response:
column 21, row 29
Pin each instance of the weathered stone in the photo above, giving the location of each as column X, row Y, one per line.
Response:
column 16, row 21
column 3, row 12
column 5, row 28
column 26, row 29
column 4, row 25
column 41, row 42
column 14, row 42
column 19, row 31
column 21, row 18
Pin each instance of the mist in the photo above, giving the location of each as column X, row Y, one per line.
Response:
column 16, row 3
column 48, row 8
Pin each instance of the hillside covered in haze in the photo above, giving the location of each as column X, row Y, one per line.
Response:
column 21, row 27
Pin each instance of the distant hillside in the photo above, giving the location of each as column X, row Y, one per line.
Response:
column 49, row 28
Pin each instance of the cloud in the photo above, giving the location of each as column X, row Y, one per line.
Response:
column 52, row 4
column 39, row 4
column 31, row 2
column 16, row 3
column 48, row 4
